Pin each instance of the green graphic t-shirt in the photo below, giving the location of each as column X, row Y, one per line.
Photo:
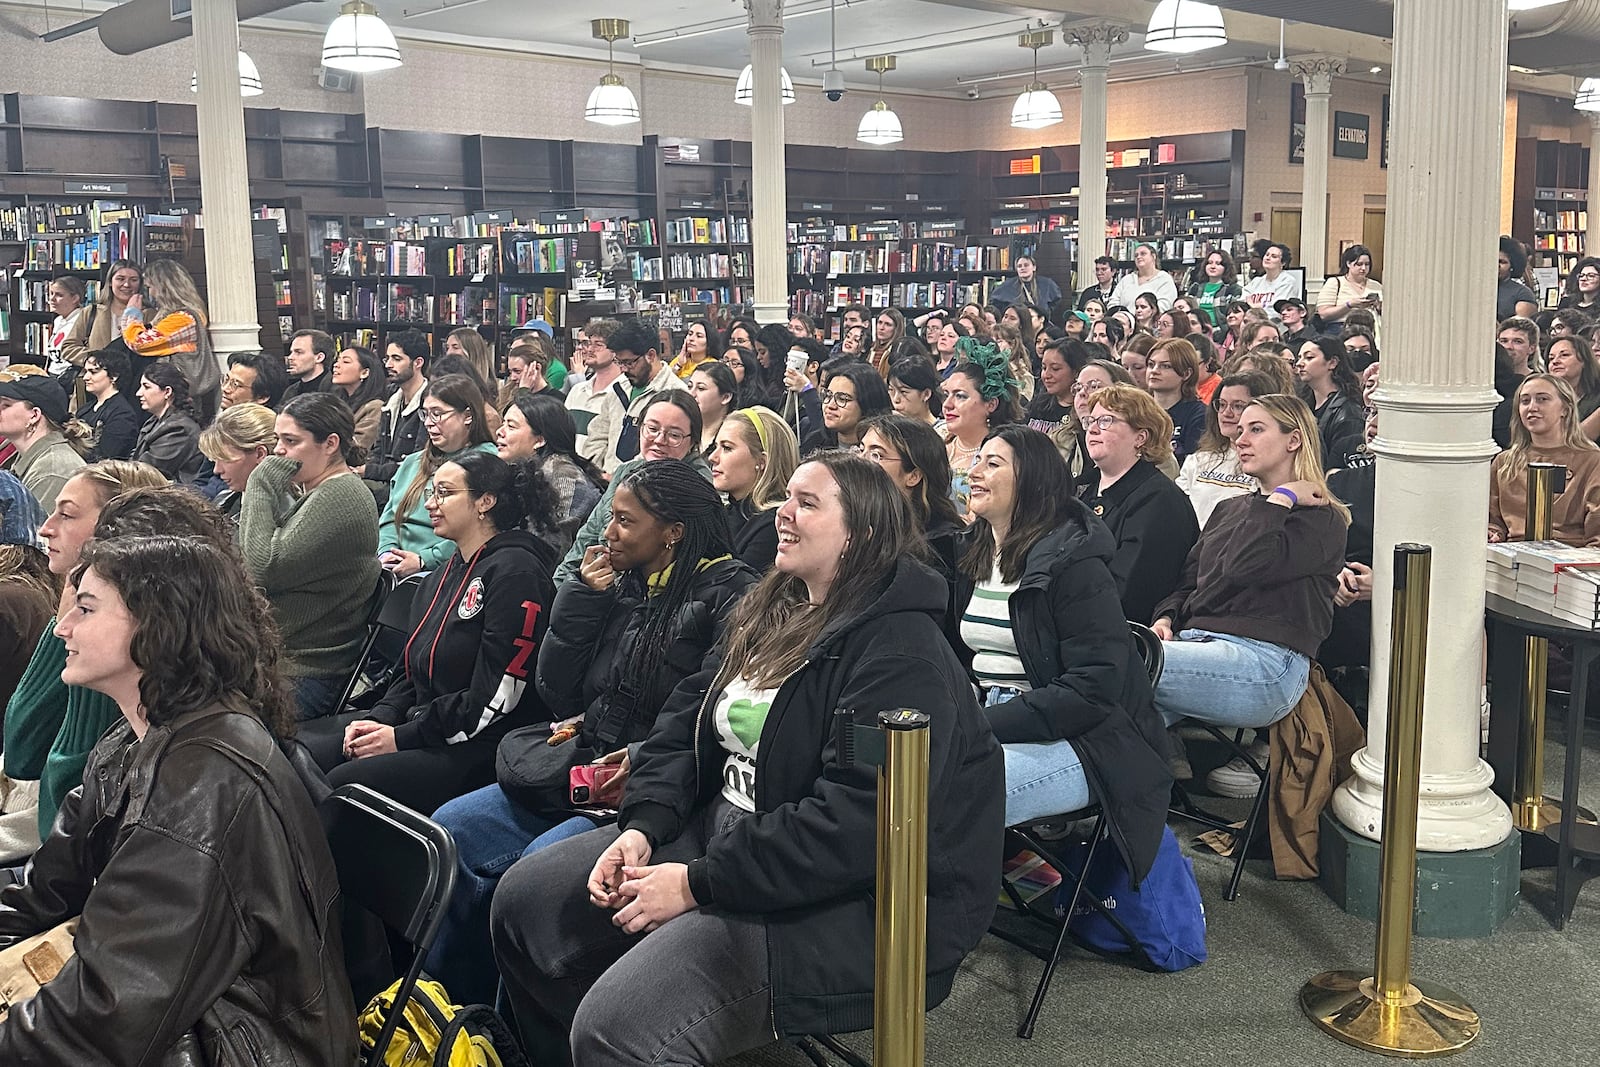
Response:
column 740, row 715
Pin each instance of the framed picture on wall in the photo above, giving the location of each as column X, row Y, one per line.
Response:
column 1383, row 144
column 1350, row 134
column 1297, row 122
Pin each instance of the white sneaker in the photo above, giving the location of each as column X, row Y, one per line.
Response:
column 1236, row 778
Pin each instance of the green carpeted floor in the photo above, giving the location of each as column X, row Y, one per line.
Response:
column 1534, row 987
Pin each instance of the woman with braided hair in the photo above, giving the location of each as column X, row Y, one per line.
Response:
column 979, row 395
column 622, row 634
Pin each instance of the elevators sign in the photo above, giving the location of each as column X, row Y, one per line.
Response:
column 1350, row 134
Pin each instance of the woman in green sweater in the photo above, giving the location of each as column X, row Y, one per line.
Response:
column 50, row 727
column 308, row 528
column 453, row 415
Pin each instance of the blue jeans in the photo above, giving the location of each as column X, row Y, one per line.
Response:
column 314, row 697
column 1229, row 681
column 491, row 832
column 1043, row 778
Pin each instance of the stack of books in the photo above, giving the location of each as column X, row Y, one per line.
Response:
column 1550, row 577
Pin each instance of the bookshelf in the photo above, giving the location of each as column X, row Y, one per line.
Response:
column 1550, row 204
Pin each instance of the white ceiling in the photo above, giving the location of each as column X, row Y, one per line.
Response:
column 942, row 46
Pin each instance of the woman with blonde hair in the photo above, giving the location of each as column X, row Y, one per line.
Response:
column 1256, row 597
column 121, row 282
column 1128, row 437
column 241, row 437
column 1546, row 430
column 751, row 459
column 1264, row 360
column 469, row 344
column 1212, row 474
column 178, row 329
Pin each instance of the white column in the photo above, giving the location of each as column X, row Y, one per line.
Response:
column 1434, row 405
column 769, row 194
column 224, row 182
column 1591, row 234
column 1096, row 39
column 1317, row 72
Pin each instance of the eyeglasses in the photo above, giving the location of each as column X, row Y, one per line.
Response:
column 439, row 492
column 877, row 455
column 656, row 430
column 1102, row 422
column 433, row 416
column 1233, row 407
column 1588, row 274
column 837, row 400
column 630, row 362
column 1086, row 388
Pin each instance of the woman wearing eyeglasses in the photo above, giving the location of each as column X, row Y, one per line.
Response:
column 453, row 416
column 1213, row 474
column 308, row 529
column 1583, row 287
column 468, row 666
column 670, row 429
column 850, row 393
column 1353, row 289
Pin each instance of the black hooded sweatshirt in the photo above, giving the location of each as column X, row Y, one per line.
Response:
column 469, row 662
column 805, row 860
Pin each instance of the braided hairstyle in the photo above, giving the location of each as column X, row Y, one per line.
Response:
column 672, row 491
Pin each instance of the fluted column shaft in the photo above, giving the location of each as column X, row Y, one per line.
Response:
column 1096, row 40
column 1591, row 233
column 769, row 192
column 224, row 181
column 1318, row 73
column 1434, row 445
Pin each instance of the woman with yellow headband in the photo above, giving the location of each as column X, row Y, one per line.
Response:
column 752, row 458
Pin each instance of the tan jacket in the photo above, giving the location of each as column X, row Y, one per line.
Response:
column 1576, row 514
column 1311, row 749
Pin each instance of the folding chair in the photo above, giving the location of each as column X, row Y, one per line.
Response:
column 1184, row 806
column 398, row 865
column 388, row 614
column 1028, row 836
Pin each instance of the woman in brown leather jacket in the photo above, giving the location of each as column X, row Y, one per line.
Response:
column 191, row 859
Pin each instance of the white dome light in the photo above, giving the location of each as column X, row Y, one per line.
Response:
column 358, row 40
column 1037, row 107
column 880, row 126
column 1588, row 98
column 1185, row 26
column 249, row 78
column 745, row 92
column 612, row 103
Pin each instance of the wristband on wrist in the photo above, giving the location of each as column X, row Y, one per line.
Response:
column 1294, row 501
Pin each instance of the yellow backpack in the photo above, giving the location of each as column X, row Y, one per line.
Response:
column 433, row 1032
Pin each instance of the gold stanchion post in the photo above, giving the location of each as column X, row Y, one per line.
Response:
column 1389, row 1011
column 900, row 961
column 1531, row 810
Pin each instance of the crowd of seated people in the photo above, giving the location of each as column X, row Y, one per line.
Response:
column 633, row 569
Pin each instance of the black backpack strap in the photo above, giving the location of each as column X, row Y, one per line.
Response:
column 482, row 1018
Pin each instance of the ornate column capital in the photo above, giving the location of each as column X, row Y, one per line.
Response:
column 1317, row 71
column 1096, row 37
column 765, row 15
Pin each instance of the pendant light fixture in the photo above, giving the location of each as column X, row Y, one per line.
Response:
column 880, row 125
column 1588, row 98
column 1185, row 26
column 612, row 103
column 745, row 92
column 1037, row 107
column 249, row 78
column 359, row 40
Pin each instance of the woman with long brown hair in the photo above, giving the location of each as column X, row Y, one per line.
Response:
column 745, row 839
column 177, row 329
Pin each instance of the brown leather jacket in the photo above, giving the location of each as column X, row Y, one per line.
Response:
column 207, row 903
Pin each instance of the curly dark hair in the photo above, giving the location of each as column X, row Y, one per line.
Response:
column 523, row 496
column 202, row 631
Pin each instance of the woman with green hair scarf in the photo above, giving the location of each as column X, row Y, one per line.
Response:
column 979, row 395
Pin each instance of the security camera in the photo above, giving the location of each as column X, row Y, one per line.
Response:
column 833, row 85
column 972, row 94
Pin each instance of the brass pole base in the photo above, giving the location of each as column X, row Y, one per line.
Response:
column 1432, row 1022
column 1534, row 818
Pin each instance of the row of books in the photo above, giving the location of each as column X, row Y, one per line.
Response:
column 925, row 295
column 520, row 254
column 817, row 230
column 911, row 259
column 80, row 252
column 644, row 268
column 1576, row 219
column 407, row 303
column 479, row 258
column 642, row 232
column 706, row 230
column 1559, row 242
column 530, row 255
column 725, row 294
column 1548, row 576
column 27, row 220
column 33, row 294
column 709, row 265
column 518, row 307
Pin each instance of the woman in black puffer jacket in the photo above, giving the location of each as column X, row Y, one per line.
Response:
column 622, row 634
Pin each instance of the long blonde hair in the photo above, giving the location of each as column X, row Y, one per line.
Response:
column 479, row 354
column 1293, row 416
column 765, row 434
column 175, row 288
column 1572, row 435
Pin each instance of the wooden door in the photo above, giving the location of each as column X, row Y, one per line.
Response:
column 1373, row 221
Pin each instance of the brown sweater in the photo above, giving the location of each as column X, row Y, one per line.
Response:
column 1262, row 571
column 1576, row 514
